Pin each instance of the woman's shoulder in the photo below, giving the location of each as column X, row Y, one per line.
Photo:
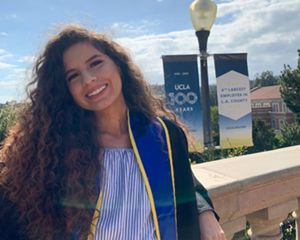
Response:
column 177, row 136
column 172, row 126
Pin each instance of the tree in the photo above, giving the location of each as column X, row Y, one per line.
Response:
column 213, row 98
column 158, row 90
column 263, row 136
column 291, row 134
column 290, row 88
column 7, row 118
column 252, row 83
column 265, row 79
column 215, row 125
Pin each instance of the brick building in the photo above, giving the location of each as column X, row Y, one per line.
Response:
column 267, row 104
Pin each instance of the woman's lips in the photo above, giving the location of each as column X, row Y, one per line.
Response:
column 96, row 91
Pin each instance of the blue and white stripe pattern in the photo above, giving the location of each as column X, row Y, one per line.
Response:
column 125, row 213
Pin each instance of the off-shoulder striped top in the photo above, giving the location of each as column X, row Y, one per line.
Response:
column 125, row 213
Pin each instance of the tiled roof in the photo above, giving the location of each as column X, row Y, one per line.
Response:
column 271, row 92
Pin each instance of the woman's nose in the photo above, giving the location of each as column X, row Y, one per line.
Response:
column 88, row 78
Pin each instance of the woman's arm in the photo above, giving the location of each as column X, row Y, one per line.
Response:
column 186, row 185
column 210, row 228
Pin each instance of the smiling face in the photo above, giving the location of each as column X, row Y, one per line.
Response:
column 93, row 78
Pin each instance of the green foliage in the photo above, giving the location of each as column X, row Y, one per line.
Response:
column 265, row 79
column 192, row 163
column 215, row 125
column 243, row 234
column 263, row 136
column 290, row 88
column 201, row 157
column 290, row 134
column 288, row 228
column 158, row 90
column 216, row 154
column 279, row 141
column 233, row 152
column 7, row 118
column 252, row 83
column 213, row 96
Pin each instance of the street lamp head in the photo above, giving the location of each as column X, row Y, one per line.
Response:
column 203, row 14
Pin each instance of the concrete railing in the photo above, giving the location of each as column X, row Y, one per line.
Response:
column 261, row 188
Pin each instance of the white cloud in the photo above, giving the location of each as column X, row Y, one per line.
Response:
column 5, row 54
column 266, row 30
column 20, row 70
column 121, row 29
column 3, row 34
column 6, row 65
column 10, row 84
column 26, row 59
column 15, row 75
column 4, row 99
column 12, row 88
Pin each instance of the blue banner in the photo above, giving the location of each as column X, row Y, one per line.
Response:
column 234, row 101
column 183, row 93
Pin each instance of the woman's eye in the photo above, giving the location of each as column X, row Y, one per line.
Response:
column 72, row 77
column 96, row 63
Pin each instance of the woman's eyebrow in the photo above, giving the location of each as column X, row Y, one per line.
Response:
column 93, row 57
column 90, row 59
column 69, row 71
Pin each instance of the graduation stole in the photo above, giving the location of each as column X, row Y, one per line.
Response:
column 152, row 148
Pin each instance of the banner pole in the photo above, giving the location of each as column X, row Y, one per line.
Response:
column 202, row 36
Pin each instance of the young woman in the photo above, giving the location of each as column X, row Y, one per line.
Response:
column 94, row 155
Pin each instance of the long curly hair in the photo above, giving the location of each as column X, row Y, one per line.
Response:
column 50, row 156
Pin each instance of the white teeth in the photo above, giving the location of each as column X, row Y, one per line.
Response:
column 97, row 91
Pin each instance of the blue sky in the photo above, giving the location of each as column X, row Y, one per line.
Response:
column 268, row 30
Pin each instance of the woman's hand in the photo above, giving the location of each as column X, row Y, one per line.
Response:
column 210, row 228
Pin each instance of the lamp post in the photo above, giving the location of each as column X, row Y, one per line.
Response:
column 203, row 14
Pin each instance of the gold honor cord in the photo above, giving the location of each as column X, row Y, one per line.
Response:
column 96, row 216
column 171, row 166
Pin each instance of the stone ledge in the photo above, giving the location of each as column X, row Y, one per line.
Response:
column 243, row 185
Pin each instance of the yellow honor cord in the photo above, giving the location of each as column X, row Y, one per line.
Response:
column 171, row 166
column 95, row 217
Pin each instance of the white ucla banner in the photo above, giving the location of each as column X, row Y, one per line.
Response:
column 234, row 101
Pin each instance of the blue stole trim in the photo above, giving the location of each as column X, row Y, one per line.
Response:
column 151, row 146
